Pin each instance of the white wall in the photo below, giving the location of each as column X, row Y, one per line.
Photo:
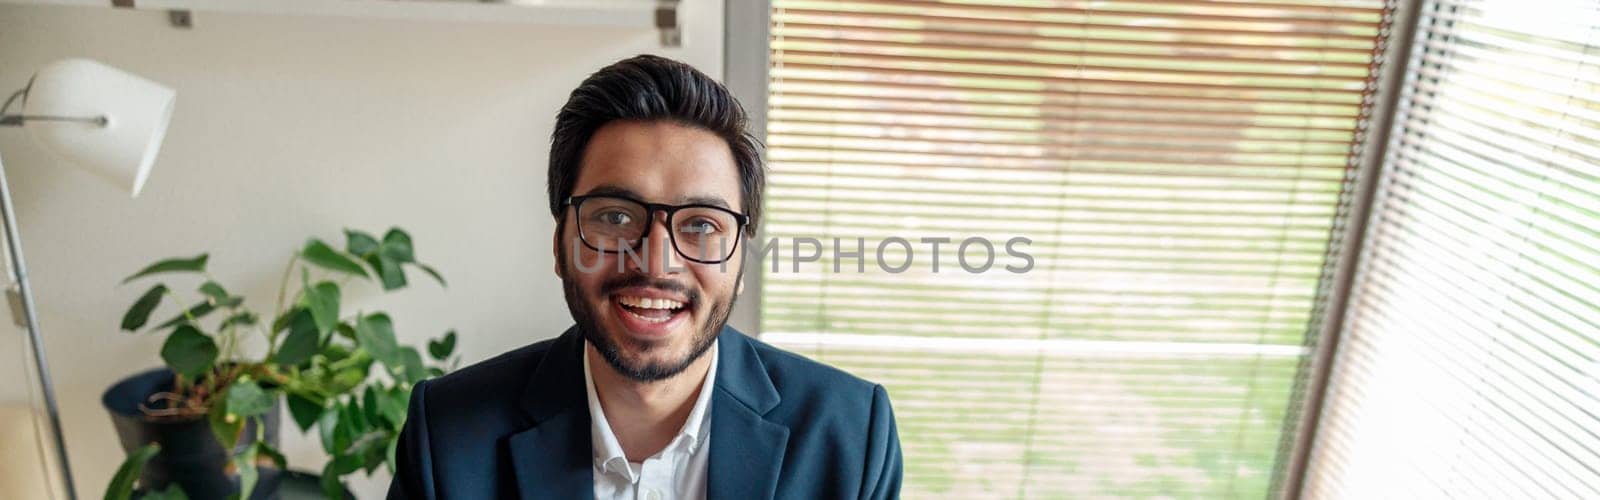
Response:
column 288, row 127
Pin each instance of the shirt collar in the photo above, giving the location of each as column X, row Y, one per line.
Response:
column 608, row 454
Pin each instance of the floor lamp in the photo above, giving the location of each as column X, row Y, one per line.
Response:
column 97, row 118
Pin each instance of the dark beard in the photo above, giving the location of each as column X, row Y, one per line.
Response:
column 588, row 324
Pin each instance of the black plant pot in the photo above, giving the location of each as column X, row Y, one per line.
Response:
column 190, row 455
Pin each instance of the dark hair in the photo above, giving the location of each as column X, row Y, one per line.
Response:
column 650, row 88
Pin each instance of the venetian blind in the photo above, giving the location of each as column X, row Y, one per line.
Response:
column 1470, row 365
column 1180, row 168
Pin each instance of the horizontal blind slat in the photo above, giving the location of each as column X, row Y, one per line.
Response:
column 1179, row 168
column 1477, row 298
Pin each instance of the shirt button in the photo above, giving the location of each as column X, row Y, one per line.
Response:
column 652, row 495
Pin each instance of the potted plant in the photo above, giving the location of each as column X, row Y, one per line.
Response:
column 205, row 425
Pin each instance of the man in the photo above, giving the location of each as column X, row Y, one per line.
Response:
column 654, row 183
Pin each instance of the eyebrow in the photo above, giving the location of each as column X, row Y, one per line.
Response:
column 615, row 190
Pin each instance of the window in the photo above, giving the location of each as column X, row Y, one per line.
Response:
column 1181, row 169
column 1473, row 332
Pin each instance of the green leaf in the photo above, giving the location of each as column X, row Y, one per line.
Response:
column 189, row 352
column 392, row 405
column 375, row 333
column 272, row 453
column 411, row 365
column 331, row 487
column 121, row 487
column 173, row 492
column 139, row 314
column 346, row 331
column 336, row 352
column 214, row 291
column 224, row 427
column 304, row 411
column 282, row 321
column 248, row 399
column 340, row 465
column 440, row 349
column 352, row 424
column 359, row 243
column 394, row 442
column 356, row 421
column 348, row 379
column 319, row 253
column 369, row 403
column 397, row 246
column 346, row 463
column 198, row 311
column 245, row 463
column 323, row 300
column 192, row 264
column 389, row 271
column 433, row 273
column 327, row 427
column 301, row 343
column 372, row 451
column 241, row 318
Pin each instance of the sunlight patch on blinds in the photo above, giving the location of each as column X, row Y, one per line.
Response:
column 1470, row 365
column 1179, row 166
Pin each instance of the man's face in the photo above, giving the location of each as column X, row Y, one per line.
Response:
column 653, row 162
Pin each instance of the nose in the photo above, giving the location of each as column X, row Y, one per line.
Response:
column 661, row 259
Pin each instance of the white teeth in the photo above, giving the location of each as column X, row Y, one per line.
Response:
column 647, row 319
column 649, row 303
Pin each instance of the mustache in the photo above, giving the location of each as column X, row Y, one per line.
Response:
column 641, row 281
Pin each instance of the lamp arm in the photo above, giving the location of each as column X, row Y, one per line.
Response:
column 18, row 120
column 19, row 272
column 6, row 119
column 15, row 120
column 14, row 95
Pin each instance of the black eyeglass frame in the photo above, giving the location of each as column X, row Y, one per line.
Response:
column 650, row 213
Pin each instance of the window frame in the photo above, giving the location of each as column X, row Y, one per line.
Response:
column 1340, row 274
column 746, row 40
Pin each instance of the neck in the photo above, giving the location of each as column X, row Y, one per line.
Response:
column 645, row 415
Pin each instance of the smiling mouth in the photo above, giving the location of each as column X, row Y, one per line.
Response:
column 649, row 310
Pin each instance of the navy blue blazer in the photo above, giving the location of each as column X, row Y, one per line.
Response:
column 517, row 426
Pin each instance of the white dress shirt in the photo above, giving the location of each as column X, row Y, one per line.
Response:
column 676, row 472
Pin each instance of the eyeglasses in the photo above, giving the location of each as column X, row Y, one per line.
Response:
column 706, row 234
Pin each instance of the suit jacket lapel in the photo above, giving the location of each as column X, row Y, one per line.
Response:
column 746, row 449
column 554, row 458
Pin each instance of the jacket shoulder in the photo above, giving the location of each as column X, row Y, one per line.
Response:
column 842, row 436
column 485, row 386
column 802, row 381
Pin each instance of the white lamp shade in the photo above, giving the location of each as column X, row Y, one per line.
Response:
column 136, row 111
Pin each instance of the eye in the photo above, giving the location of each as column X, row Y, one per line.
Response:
column 699, row 226
column 616, row 218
